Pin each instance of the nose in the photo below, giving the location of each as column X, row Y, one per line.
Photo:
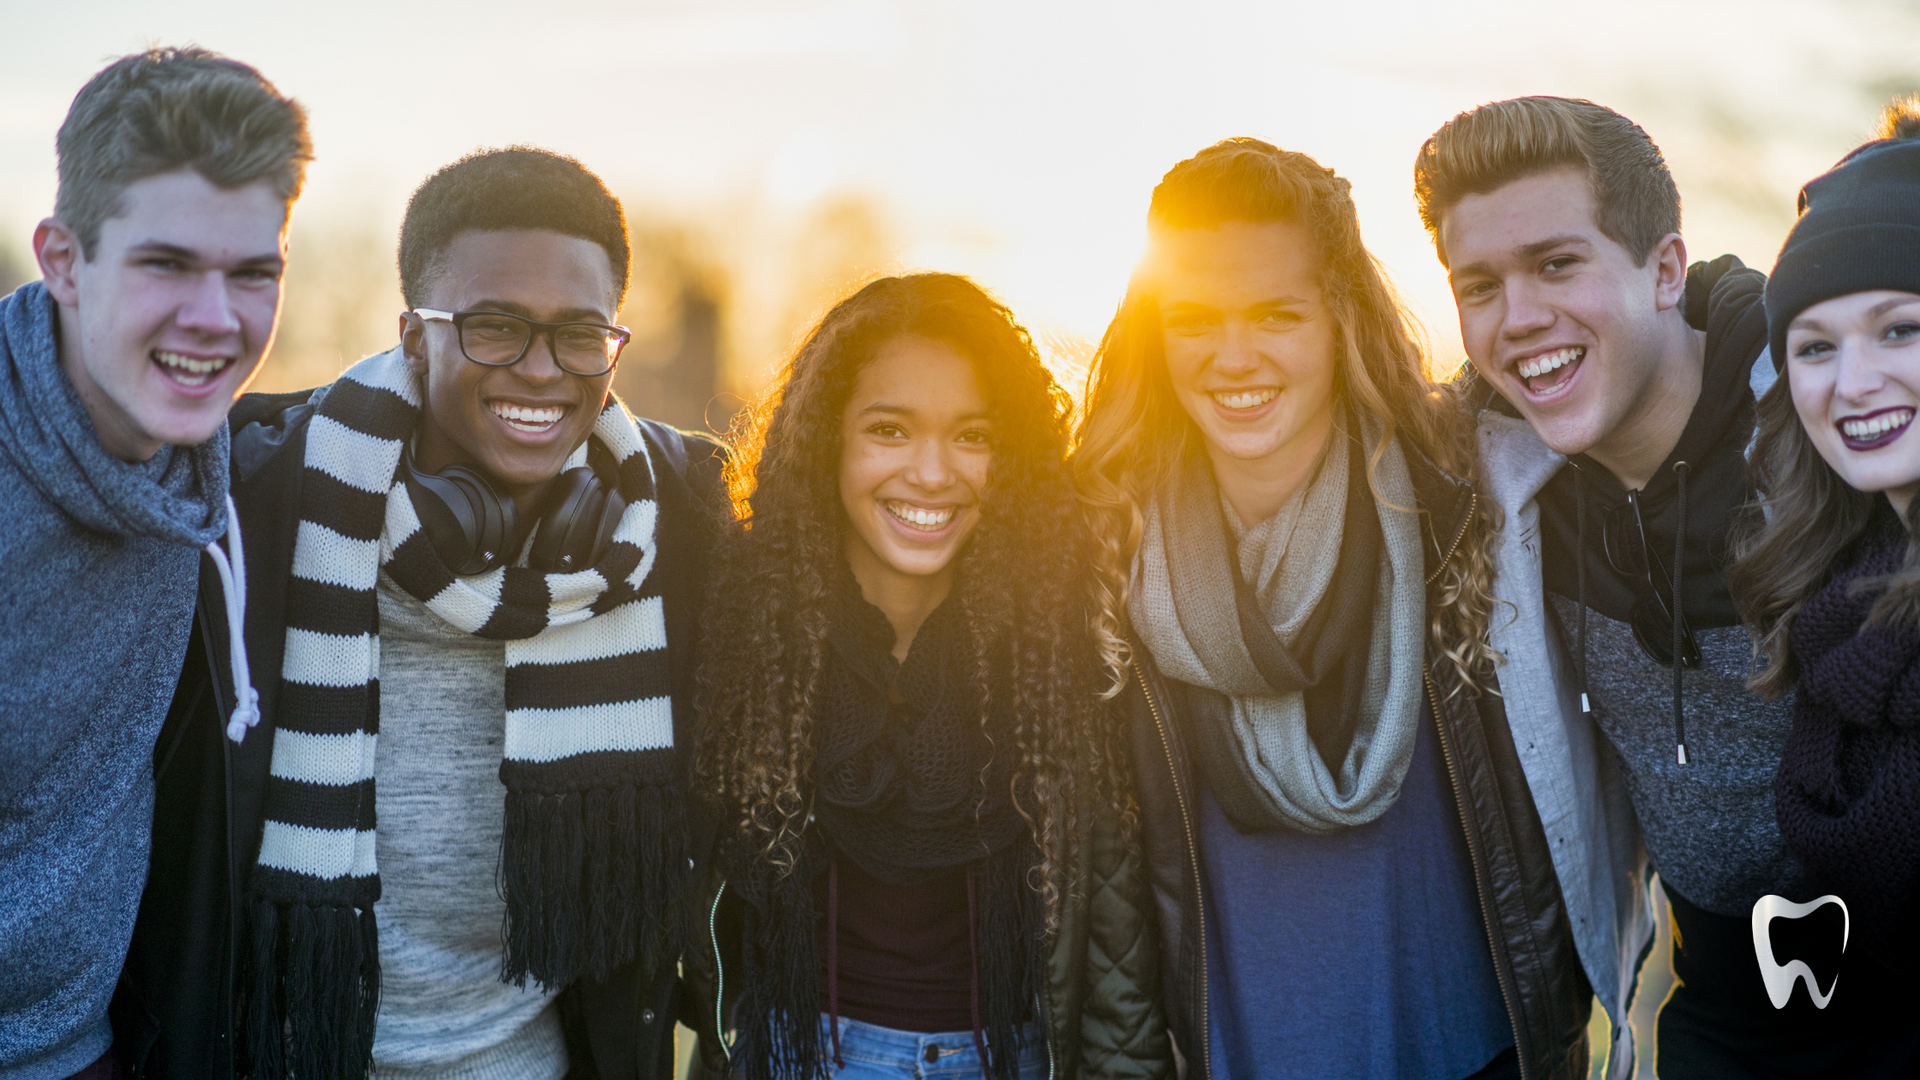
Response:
column 1856, row 377
column 208, row 309
column 931, row 466
column 537, row 365
column 1525, row 313
column 1237, row 354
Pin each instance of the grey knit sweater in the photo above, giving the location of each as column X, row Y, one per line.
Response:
column 98, row 565
column 1709, row 824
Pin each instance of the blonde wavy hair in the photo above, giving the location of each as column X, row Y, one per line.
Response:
column 1133, row 431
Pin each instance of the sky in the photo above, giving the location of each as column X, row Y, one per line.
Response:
column 1015, row 140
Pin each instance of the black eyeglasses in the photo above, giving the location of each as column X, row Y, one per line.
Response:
column 1623, row 535
column 496, row 339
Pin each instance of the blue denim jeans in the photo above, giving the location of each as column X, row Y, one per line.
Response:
column 872, row 1052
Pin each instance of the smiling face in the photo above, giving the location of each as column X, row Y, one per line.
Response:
column 164, row 325
column 916, row 443
column 1250, row 351
column 1556, row 316
column 518, row 423
column 1853, row 366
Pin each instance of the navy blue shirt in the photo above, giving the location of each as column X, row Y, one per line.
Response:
column 1357, row 953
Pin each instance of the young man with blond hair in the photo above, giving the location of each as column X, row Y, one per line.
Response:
column 160, row 290
column 1619, row 387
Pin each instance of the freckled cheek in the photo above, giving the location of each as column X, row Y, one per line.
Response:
column 1184, row 361
column 862, row 471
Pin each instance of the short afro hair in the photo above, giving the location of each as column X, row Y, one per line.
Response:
column 520, row 187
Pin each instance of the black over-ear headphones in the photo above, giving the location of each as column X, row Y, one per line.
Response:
column 475, row 528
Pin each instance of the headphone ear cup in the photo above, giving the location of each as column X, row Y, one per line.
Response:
column 557, row 547
column 612, row 508
column 469, row 523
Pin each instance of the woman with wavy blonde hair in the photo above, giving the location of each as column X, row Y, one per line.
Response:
column 925, row 849
column 1294, row 595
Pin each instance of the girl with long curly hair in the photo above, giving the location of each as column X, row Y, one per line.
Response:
column 923, row 853
column 1295, row 590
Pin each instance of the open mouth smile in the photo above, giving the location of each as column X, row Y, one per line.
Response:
column 190, row 371
column 1547, row 372
column 921, row 519
column 527, row 418
column 1876, row 429
column 1244, row 400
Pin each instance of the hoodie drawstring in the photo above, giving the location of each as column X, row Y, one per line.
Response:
column 1679, row 613
column 1580, row 588
column 232, row 565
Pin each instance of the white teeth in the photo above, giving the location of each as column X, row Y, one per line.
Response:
column 190, row 370
column 1246, row 399
column 1873, row 426
column 1552, row 361
column 920, row 518
column 525, row 419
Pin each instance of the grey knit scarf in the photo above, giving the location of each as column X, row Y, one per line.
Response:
column 179, row 495
column 1272, row 766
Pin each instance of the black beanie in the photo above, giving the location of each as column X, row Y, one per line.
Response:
column 1859, row 230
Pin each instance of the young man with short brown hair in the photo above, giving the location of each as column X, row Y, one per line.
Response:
column 1619, row 387
column 161, row 274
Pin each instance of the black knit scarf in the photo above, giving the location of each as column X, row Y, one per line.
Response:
column 593, row 849
column 907, row 789
column 1848, row 790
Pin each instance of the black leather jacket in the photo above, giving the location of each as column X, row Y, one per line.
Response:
column 1545, row 989
column 174, row 1011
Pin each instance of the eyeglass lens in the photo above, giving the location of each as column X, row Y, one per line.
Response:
column 580, row 348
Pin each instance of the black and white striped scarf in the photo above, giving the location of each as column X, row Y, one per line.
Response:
column 594, row 848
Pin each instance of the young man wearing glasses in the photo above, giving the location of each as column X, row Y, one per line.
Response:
column 453, row 844
column 159, row 295
column 1619, row 386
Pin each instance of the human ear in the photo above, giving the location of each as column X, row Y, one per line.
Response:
column 57, row 250
column 1669, row 259
column 413, row 342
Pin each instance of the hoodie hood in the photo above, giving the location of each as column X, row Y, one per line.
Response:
column 1723, row 298
column 178, row 495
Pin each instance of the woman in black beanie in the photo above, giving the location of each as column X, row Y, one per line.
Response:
column 1831, row 581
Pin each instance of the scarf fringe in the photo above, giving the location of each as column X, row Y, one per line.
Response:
column 779, row 1010
column 778, row 1015
column 1012, row 955
column 314, row 976
column 591, row 880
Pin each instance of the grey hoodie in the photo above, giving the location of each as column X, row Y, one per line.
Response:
column 99, row 561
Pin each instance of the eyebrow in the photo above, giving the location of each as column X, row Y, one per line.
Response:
column 508, row 307
column 1527, row 251
column 902, row 410
column 1277, row 301
column 1805, row 322
column 162, row 247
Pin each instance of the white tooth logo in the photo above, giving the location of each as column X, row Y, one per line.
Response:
column 1779, row 979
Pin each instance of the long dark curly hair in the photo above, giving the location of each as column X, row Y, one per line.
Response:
column 1019, row 579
